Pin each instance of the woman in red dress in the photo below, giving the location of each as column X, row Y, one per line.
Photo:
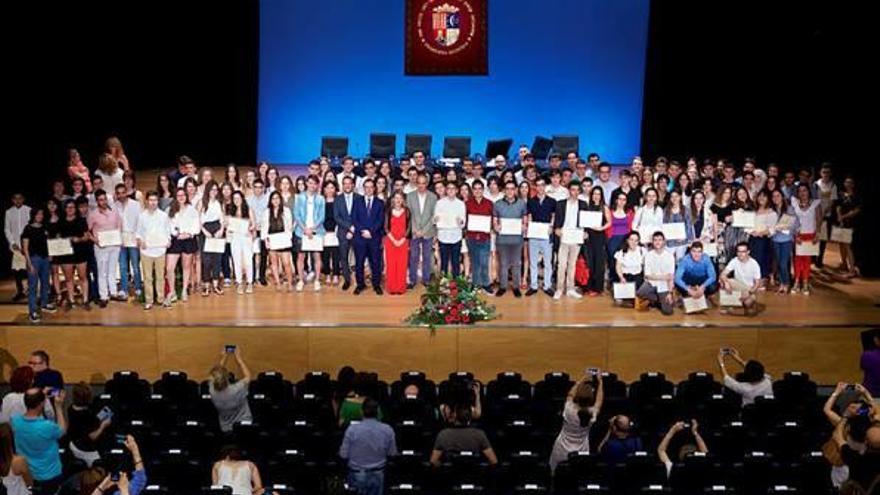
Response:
column 397, row 226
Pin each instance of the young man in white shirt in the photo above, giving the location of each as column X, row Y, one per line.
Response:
column 827, row 191
column 746, row 277
column 153, row 226
column 659, row 273
column 129, row 210
column 17, row 217
column 566, row 219
column 450, row 209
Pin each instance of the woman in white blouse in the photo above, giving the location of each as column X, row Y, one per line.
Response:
column 629, row 261
column 212, row 218
column 649, row 215
column 760, row 244
column 240, row 228
column 277, row 219
column 184, row 228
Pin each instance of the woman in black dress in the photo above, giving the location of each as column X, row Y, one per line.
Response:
column 74, row 227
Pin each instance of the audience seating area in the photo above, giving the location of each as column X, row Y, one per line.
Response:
column 772, row 446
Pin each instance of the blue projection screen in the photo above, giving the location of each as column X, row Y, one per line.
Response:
column 335, row 67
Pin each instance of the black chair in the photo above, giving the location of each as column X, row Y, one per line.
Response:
column 641, row 470
column 316, row 384
column 495, row 147
column 334, row 146
column 456, row 147
column 427, row 388
column 418, row 142
column 541, row 147
column 177, row 470
column 565, row 143
column 273, row 385
column 289, row 467
column 382, row 145
column 527, row 472
column 651, row 385
column 128, row 390
column 408, row 470
column 507, row 383
column 217, row 490
column 177, row 389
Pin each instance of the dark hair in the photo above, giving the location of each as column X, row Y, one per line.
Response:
column 171, row 185
column 276, row 220
column 184, row 160
column 231, row 208
column 82, row 394
column 696, row 244
column 151, row 194
column 754, row 371
column 34, row 398
column 22, row 378
column 370, row 408
column 601, row 196
column 43, row 355
column 231, row 452
column 99, row 193
column 463, row 414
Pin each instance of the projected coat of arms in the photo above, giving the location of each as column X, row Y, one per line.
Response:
column 446, row 37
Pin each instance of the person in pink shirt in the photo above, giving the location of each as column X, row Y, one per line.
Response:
column 104, row 219
column 76, row 169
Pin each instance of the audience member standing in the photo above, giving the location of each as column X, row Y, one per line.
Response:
column 36, row 439
column 230, row 399
column 582, row 406
column 365, row 449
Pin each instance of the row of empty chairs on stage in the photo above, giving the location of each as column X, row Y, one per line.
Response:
column 771, row 446
column 384, row 146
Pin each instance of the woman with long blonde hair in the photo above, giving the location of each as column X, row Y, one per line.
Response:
column 113, row 147
column 110, row 172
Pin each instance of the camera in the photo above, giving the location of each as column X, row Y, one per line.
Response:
column 230, row 348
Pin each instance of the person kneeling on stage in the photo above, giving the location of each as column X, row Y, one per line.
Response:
column 746, row 278
column 659, row 274
column 695, row 275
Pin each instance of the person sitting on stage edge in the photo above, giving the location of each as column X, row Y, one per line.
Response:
column 230, row 399
column 746, row 278
column 659, row 275
column 753, row 382
column 695, row 275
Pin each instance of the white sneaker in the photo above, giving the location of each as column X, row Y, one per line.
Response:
column 299, row 286
column 317, row 286
column 240, row 289
column 557, row 295
column 249, row 289
column 310, row 276
column 574, row 294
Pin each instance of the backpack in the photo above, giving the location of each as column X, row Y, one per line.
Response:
column 581, row 272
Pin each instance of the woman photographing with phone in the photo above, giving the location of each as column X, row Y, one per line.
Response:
column 582, row 407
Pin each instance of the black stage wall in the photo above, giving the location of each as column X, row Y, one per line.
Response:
column 782, row 81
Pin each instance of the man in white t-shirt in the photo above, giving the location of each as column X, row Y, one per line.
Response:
column 746, row 277
column 659, row 275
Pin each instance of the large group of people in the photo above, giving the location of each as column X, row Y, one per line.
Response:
column 664, row 235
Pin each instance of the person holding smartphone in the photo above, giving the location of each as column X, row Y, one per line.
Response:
column 121, row 483
column 754, row 383
column 85, row 425
column 230, row 398
column 36, row 439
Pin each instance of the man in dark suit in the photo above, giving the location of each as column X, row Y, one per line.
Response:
column 342, row 209
column 368, row 220
column 567, row 218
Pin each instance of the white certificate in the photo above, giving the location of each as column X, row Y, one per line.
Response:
column 129, row 239
column 590, row 219
column 214, row 245
column 572, row 236
column 733, row 298
column 257, row 245
column 842, row 235
column 479, row 223
column 625, row 290
column 60, row 247
column 280, row 240
column 511, row 226
column 314, row 243
column 646, row 232
column 237, row 225
column 538, row 230
column 785, row 223
column 806, row 248
column 156, row 239
column 330, row 239
column 692, row 305
column 190, row 226
column 744, row 219
column 674, row 231
column 710, row 249
column 447, row 221
column 109, row 238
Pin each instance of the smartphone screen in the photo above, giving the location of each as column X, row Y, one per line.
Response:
column 230, row 348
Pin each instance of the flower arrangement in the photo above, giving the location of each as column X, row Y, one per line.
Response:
column 452, row 301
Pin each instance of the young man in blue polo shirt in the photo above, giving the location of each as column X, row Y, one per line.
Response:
column 36, row 439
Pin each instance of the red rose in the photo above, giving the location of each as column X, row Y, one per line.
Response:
column 465, row 319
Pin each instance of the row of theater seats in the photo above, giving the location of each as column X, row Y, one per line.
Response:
column 770, row 446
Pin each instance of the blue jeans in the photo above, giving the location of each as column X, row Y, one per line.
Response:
column 130, row 255
column 420, row 250
column 614, row 243
column 479, row 253
column 450, row 254
column 540, row 248
column 39, row 275
column 367, row 482
column 782, row 251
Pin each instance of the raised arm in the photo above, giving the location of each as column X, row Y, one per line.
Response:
column 664, row 444
column 245, row 371
column 701, row 444
column 828, row 408
column 600, row 393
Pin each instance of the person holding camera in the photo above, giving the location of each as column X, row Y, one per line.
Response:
column 119, row 483
column 619, row 441
column 581, row 408
column 85, row 427
column 753, row 382
column 230, row 399
column 36, row 439
column 698, row 445
column 462, row 437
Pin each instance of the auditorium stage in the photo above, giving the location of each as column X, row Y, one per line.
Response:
column 298, row 332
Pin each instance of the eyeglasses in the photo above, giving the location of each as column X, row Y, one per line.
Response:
column 35, row 363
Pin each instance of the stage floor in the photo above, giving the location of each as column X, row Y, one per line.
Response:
column 841, row 303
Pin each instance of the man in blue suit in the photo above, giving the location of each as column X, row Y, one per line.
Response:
column 342, row 209
column 368, row 220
